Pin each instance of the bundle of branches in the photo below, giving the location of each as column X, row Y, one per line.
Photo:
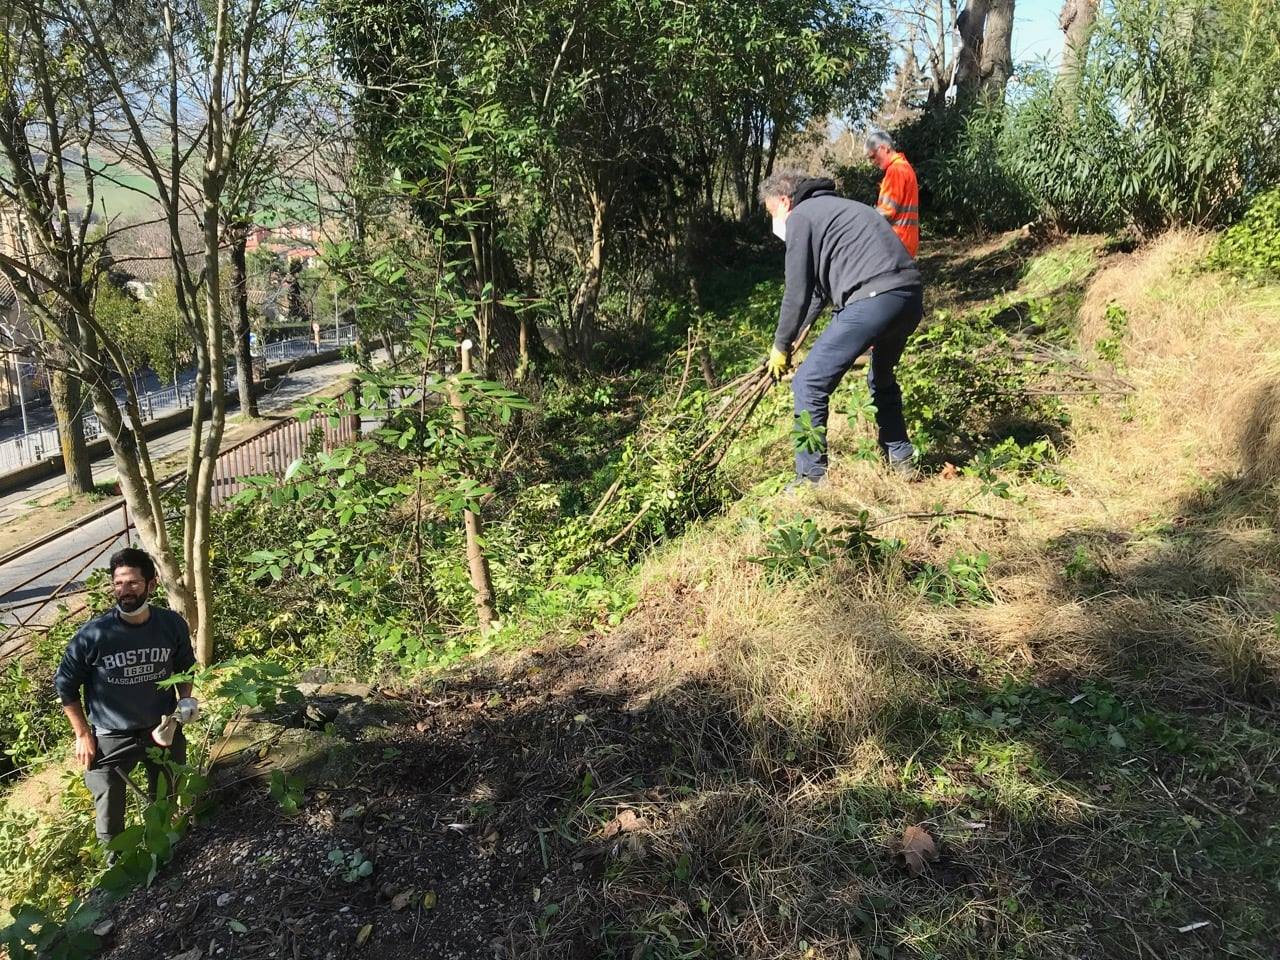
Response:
column 667, row 474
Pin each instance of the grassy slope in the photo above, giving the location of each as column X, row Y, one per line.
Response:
column 1091, row 742
column 1095, row 748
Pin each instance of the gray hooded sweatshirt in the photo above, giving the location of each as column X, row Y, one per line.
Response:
column 838, row 251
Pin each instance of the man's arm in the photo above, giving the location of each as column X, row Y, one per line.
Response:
column 889, row 201
column 801, row 299
column 86, row 747
column 68, row 681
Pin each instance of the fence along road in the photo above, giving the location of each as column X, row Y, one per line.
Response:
column 34, row 583
column 42, row 443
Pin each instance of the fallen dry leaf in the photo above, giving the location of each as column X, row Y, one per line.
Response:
column 402, row 899
column 429, row 900
column 624, row 822
column 918, row 848
column 363, row 935
column 949, row 471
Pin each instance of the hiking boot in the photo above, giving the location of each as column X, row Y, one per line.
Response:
column 800, row 484
column 905, row 468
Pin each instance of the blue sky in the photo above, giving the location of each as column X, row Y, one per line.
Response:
column 1035, row 30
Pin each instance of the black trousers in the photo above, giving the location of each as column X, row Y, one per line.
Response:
column 119, row 751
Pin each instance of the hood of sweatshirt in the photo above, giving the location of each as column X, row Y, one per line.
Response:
column 813, row 187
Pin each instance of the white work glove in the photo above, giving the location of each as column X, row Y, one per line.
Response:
column 188, row 709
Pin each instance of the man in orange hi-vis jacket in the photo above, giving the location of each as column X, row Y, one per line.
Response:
column 899, row 200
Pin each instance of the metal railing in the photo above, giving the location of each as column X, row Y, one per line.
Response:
column 43, row 443
column 268, row 453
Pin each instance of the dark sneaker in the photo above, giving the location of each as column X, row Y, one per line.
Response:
column 800, row 484
column 905, row 468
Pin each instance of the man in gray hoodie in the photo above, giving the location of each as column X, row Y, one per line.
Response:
column 843, row 253
column 107, row 683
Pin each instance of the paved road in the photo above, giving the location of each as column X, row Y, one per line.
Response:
column 49, row 566
column 40, row 413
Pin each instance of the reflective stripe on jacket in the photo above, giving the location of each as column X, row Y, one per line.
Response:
column 899, row 202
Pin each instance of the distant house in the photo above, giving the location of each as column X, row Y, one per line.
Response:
column 291, row 242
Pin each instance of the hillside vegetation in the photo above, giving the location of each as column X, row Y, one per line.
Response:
column 1020, row 708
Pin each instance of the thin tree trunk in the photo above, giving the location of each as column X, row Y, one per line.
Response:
column 508, row 341
column 971, row 23
column 65, row 394
column 587, row 300
column 204, row 452
column 1076, row 20
column 997, row 49
column 708, row 369
column 240, row 321
column 477, row 563
column 141, row 491
column 522, row 368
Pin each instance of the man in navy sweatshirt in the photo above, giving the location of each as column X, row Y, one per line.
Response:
column 114, row 662
column 843, row 253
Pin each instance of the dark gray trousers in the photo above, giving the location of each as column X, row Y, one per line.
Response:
column 118, row 753
column 882, row 324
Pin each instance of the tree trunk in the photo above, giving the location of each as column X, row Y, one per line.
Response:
column 587, row 300
column 708, row 369
column 971, row 24
column 240, row 321
column 997, row 49
column 508, row 342
column 141, row 491
column 65, row 394
column 206, row 438
column 900, row 94
column 1076, row 21
column 477, row 563
column 741, row 177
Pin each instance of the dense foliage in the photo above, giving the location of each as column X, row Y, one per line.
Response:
column 615, row 133
column 1169, row 120
column 1251, row 248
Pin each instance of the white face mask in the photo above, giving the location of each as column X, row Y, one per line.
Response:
column 780, row 226
column 134, row 614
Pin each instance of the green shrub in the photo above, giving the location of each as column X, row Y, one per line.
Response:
column 962, row 383
column 961, row 160
column 1251, row 248
column 1170, row 120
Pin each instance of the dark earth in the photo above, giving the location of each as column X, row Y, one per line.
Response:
column 491, row 810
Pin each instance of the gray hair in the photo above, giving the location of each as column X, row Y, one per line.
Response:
column 877, row 139
column 783, row 183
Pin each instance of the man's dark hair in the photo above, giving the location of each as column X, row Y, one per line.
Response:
column 133, row 557
column 782, row 183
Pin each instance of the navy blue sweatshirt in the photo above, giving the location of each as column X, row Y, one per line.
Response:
column 838, row 251
column 117, row 664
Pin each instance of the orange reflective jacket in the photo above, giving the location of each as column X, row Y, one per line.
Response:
column 900, row 202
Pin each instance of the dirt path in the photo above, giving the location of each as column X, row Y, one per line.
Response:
column 492, row 810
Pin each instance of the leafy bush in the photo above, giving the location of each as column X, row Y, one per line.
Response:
column 30, row 719
column 961, row 160
column 1169, row 121
column 962, row 383
column 797, row 549
column 1251, row 248
column 962, row 580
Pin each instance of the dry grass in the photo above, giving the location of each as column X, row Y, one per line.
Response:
column 1152, row 571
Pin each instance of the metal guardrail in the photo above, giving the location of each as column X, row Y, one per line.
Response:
column 43, row 443
column 267, row 453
